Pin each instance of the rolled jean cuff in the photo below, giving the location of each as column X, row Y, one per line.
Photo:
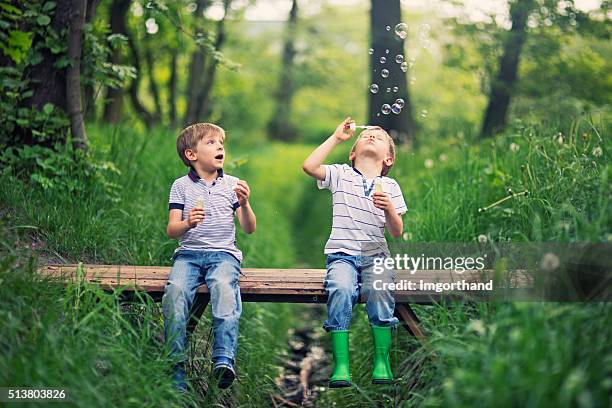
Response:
column 334, row 328
column 223, row 353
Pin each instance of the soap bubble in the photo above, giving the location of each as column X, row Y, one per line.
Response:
column 396, row 108
column 374, row 88
column 383, row 60
column 401, row 30
column 424, row 113
column 399, row 102
column 395, row 89
column 411, row 62
column 384, row 73
column 412, row 80
column 399, row 58
column 371, row 51
column 385, row 109
column 425, row 44
column 388, row 89
column 404, row 66
column 388, row 28
column 387, row 51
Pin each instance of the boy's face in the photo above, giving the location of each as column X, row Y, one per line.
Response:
column 209, row 153
column 373, row 144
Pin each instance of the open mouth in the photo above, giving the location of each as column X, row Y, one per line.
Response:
column 219, row 157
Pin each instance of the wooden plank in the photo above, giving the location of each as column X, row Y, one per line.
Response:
column 409, row 320
column 265, row 283
column 261, row 274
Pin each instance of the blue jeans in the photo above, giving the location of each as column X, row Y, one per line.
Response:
column 347, row 277
column 220, row 271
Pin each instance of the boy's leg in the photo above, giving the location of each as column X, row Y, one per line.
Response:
column 341, row 286
column 179, row 292
column 380, row 302
column 380, row 305
column 342, row 290
column 223, row 272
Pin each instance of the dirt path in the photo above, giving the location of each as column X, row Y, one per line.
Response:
column 306, row 369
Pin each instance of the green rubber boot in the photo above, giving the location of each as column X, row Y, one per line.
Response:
column 381, row 373
column 341, row 376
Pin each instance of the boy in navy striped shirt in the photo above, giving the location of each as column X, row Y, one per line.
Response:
column 202, row 206
column 365, row 202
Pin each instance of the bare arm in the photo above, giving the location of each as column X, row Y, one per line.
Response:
column 246, row 216
column 393, row 221
column 313, row 165
column 177, row 226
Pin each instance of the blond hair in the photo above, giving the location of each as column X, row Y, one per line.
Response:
column 378, row 129
column 192, row 134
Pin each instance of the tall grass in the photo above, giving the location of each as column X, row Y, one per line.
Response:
column 513, row 354
column 521, row 354
column 129, row 228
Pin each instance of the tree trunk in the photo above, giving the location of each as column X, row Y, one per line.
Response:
column 172, row 87
column 501, row 88
column 48, row 83
column 89, row 91
column 402, row 127
column 113, row 109
column 146, row 116
column 195, row 73
column 153, row 88
column 280, row 126
column 203, row 104
column 73, row 75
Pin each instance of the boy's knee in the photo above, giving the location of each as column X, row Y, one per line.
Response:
column 176, row 296
column 225, row 300
column 341, row 287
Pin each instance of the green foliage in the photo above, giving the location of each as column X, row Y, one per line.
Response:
column 13, row 42
column 44, row 125
column 97, row 49
column 517, row 354
column 22, row 122
column 550, row 162
column 564, row 67
column 79, row 339
column 60, row 170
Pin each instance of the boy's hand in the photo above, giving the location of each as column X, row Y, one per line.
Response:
column 344, row 132
column 243, row 192
column 382, row 201
column 196, row 215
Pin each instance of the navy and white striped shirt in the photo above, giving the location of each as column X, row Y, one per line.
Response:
column 217, row 232
column 358, row 227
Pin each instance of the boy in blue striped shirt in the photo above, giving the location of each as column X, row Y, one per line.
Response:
column 202, row 207
column 365, row 202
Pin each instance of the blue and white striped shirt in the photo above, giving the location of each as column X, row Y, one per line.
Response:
column 217, row 232
column 358, row 228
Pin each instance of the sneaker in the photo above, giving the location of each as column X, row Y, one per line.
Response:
column 223, row 369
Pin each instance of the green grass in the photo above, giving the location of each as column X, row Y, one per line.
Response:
column 484, row 354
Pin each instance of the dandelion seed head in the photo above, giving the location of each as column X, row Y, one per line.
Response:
column 514, row 147
column 477, row 326
column 549, row 262
column 429, row 163
column 482, row 239
column 597, row 151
